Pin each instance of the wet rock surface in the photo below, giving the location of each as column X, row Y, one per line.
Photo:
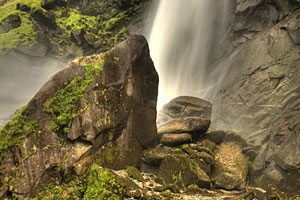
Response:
column 268, row 118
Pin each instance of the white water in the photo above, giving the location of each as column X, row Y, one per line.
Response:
column 183, row 41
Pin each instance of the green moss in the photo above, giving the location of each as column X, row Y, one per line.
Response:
column 134, row 173
column 16, row 129
column 97, row 183
column 101, row 184
column 167, row 193
column 24, row 34
column 61, row 106
column 73, row 189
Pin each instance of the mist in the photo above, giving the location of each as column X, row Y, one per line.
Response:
column 20, row 78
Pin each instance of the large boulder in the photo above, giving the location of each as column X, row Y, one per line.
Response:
column 231, row 168
column 101, row 107
column 183, row 171
column 185, row 106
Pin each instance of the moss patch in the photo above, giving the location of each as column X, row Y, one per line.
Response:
column 107, row 27
column 16, row 129
column 101, row 184
column 97, row 183
column 61, row 106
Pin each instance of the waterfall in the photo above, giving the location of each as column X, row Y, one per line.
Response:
column 186, row 38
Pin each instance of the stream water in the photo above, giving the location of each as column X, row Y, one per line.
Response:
column 186, row 40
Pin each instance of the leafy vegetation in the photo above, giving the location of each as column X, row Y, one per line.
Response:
column 61, row 106
column 17, row 128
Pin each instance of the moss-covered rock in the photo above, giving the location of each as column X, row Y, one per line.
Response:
column 91, row 110
column 135, row 173
column 182, row 171
column 100, row 20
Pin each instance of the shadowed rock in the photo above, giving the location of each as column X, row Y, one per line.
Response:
column 10, row 22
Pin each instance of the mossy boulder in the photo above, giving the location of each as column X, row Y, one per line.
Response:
column 134, row 173
column 100, row 107
column 180, row 170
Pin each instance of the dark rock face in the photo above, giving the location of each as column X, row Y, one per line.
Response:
column 260, row 101
column 10, row 22
column 253, row 16
column 107, row 112
column 44, row 18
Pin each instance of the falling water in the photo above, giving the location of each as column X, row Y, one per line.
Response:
column 185, row 40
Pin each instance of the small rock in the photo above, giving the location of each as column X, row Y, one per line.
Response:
column 124, row 4
column 175, row 139
column 185, row 125
column 51, row 4
column 77, row 36
column 205, row 157
column 207, row 144
column 134, row 173
column 234, row 137
column 215, row 136
column 92, row 40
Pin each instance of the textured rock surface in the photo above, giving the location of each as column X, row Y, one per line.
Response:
column 183, row 171
column 113, row 116
column 254, row 16
column 231, row 168
column 261, row 98
column 185, row 106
